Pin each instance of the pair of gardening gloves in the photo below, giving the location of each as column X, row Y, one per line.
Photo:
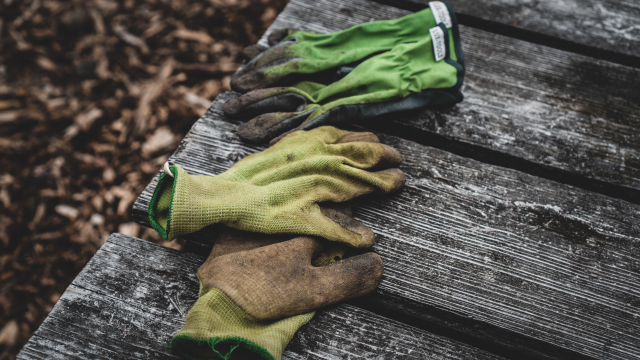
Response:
column 284, row 254
column 305, row 79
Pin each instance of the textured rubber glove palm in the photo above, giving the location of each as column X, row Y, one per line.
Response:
column 418, row 72
column 280, row 189
column 245, row 274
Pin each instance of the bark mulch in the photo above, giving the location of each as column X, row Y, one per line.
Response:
column 94, row 96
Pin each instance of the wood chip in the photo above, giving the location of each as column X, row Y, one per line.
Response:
column 82, row 122
column 197, row 100
column 199, row 36
column 129, row 38
column 40, row 212
column 46, row 63
column 154, row 29
column 9, row 116
column 17, row 37
column 67, row 211
column 91, row 160
column 98, row 22
column 161, row 139
column 27, row 14
column 108, row 175
column 124, row 206
column 8, row 104
column 150, row 92
column 53, row 235
column 130, row 228
column 9, row 333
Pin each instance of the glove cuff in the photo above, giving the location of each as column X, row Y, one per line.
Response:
column 160, row 205
column 216, row 328
column 183, row 203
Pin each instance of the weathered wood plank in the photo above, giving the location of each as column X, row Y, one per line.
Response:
column 133, row 296
column 552, row 113
column 514, row 259
column 609, row 26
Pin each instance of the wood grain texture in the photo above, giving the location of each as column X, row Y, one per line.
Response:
column 556, row 112
column 134, row 295
column 610, row 25
column 517, row 257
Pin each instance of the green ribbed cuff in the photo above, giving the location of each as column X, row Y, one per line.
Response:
column 160, row 205
column 216, row 328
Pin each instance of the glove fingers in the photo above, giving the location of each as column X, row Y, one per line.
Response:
column 344, row 208
column 346, row 279
column 359, row 137
column 389, row 180
column 367, row 155
column 285, row 134
column 268, row 292
column 356, row 233
column 342, row 184
column 252, row 51
column 366, row 137
column 231, row 240
column 252, row 76
column 264, row 101
column 267, row 126
column 275, row 37
column 354, row 182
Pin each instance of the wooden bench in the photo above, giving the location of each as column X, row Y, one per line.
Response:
column 517, row 234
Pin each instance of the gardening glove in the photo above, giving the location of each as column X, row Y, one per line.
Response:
column 279, row 190
column 252, row 302
column 413, row 75
column 296, row 56
column 208, row 332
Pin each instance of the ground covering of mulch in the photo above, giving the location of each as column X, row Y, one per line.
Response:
column 94, row 96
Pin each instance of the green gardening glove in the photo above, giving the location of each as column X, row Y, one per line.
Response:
column 303, row 54
column 280, row 189
column 254, row 296
column 422, row 73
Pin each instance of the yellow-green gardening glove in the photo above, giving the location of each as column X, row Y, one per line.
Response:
column 254, row 298
column 280, row 189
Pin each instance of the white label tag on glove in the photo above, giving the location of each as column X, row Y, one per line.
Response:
column 440, row 13
column 439, row 47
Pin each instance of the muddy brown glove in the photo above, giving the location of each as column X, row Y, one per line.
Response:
column 279, row 189
column 217, row 327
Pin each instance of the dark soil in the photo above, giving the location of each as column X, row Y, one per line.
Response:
column 94, row 96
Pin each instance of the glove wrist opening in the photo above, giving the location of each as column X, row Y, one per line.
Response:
column 161, row 203
column 228, row 349
column 217, row 328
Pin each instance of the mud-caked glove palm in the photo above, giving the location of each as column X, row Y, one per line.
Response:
column 252, row 302
column 280, row 189
column 217, row 327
